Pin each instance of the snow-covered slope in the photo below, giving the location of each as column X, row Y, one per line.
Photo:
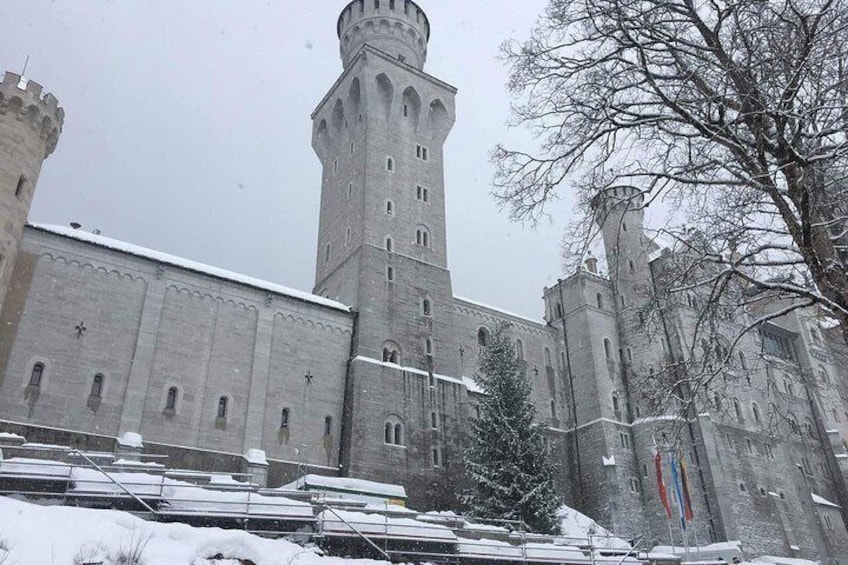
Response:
column 577, row 526
column 41, row 535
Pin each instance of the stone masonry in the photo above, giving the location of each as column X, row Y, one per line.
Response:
column 372, row 375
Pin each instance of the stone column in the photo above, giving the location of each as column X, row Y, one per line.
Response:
column 256, row 465
column 142, row 363
column 255, row 419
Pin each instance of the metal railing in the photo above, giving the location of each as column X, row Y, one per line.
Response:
column 391, row 532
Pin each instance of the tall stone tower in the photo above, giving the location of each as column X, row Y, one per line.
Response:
column 379, row 134
column 30, row 125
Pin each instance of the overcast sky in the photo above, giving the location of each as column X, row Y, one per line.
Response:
column 188, row 131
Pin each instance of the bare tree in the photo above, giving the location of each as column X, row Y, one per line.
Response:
column 733, row 110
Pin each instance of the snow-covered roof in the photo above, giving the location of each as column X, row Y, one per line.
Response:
column 500, row 310
column 823, row 501
column 347, row 484
column 187, row 264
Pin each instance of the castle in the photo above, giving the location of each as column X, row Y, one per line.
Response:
column 371, row 376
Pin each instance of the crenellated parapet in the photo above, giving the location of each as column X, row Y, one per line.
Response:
column 25, row 100
column 628, row 197
column 399, row 28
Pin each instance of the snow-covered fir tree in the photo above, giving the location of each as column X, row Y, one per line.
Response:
column 507, row 461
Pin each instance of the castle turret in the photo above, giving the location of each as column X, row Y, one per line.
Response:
column 30, row 125
column 619, row 212
column 398, row 28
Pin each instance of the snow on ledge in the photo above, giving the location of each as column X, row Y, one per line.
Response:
column 131, row 439
column 608, row 461
column 823, row 501
column 501, row 310
column 6, row 436
column 407, row 369
column 256, row 457
column 187, row 264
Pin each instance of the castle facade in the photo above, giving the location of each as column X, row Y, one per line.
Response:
column 372, row 375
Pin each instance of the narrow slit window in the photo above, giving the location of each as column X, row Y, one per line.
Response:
column 284, row 418
column 328, row 425
column 36, row 374
column 19, row 190
column 222, row 407
column 171, row 401
column 97, row 386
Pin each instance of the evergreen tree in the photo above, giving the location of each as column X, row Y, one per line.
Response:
column 507, row 461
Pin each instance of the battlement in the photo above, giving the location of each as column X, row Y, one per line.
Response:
column 26, row 100
column 399, row 28
column 613, row 197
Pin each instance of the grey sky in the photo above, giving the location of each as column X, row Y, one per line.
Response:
column 188, row 131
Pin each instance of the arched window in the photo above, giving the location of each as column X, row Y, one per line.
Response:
column 553, row 410
column 391, row 352
column 390, row 273
column 756, row 411
column 284, row 418
column 390, row 207
column 422, row 236
column 97, row 386
column 519, row 349
column 390, row 164
column 436, row 455
column 548, row 361
column 608, row 349
column 426, row 307
column 389, row 245
column 389, row 434
column 434, row 420
column 599, row 299
column 171, row 401
column 738, row 409
column 793, row 425
column 483, row 337
column 222, row 407
column 19, row 190
column 36, row 374
column 428, row 346
column 399, row 440
column 328, row 425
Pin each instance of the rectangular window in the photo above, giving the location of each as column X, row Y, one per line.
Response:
column 336, row 166
column 778, row 345
column 422, row 153
column 624, row 440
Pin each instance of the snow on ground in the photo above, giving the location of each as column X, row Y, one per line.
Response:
column 577, row 526
column 40, row 535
